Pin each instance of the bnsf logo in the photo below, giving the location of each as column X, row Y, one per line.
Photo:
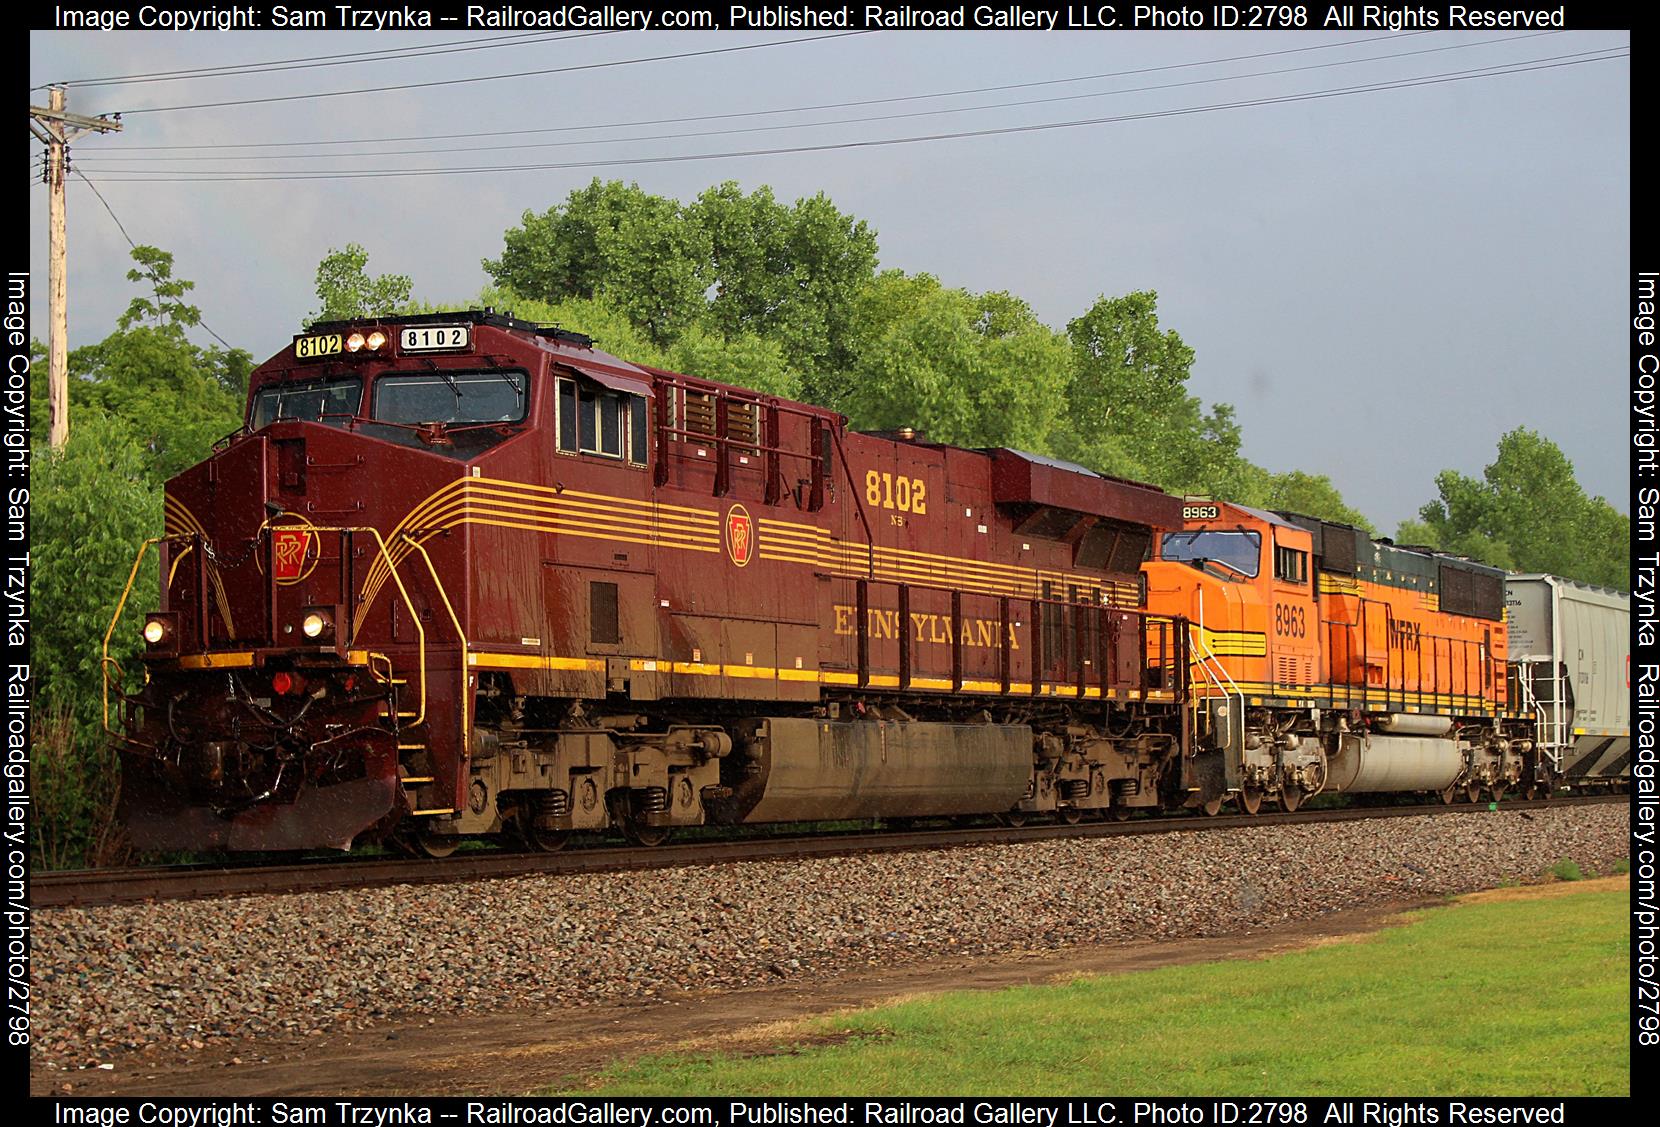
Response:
column 1200, row 512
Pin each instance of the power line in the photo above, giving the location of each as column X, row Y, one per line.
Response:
column 122, row 227
column 388, row 54
column 787, row 109
column 114, row 155
column 1549, row 63
column 497, row 77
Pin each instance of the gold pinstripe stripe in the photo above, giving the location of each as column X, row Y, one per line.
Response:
column 182, row 517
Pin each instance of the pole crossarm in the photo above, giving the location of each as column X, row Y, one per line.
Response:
column 64, row 120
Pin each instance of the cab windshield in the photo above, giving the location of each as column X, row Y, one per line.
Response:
column 451, row 397
column 1240, row 551
column 333, row 402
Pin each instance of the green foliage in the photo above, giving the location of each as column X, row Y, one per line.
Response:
column 1529, row 513
column 76, row 780
column 743, row 359
column 173, row 398
column 1567, row 869
column 145, row 404
column 346, row 290
column 966, row 369
column 743, row 288
column 788, row 274
column 1620, row 867
column 638, row 251
column 93, row 503
column 1128, row 411
column 1312, row 495
column 155, row 267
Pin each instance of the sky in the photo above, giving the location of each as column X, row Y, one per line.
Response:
column 1382, row 282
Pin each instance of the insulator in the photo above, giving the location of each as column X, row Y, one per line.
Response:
column 653, row 800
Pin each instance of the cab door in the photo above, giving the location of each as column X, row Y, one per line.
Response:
column 1293, row 619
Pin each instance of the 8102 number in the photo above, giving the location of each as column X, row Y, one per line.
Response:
column 885, row 491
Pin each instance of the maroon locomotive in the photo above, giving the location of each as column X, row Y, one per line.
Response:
column 463, row 575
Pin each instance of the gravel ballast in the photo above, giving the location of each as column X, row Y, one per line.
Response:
column 188, row 976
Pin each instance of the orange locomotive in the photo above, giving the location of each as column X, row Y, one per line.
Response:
column 1324, row 660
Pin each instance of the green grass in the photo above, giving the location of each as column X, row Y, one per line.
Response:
column 1523, row 993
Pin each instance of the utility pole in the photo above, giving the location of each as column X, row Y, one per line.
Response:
column 55, row 126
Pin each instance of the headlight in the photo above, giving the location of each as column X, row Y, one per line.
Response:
column 354, row 343
column 376, row 341
column 160, row 632
column 317, row 623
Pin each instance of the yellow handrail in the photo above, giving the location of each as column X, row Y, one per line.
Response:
column 104, row 658
column 106, row 662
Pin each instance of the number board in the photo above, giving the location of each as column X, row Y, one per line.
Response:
column 436, row 338
column 315, row 348
column 1200, row 512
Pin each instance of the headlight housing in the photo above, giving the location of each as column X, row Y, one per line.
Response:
column 317, row 623
column 161, row 633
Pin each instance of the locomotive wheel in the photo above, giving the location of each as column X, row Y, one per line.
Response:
column 544, row 841
column 1497, row 794
column 1450, row 795
column 1014, row 819
column 1212, row 808
column 1071, row 815
column 1290, row 799
column 1120, row 813
column 648, row 836
column 436, row 846
column 1473, row 792
column 1250, row 800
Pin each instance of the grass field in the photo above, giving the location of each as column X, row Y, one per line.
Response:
column 1515, row 991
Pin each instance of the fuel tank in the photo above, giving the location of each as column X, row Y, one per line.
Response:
column 1381, row 763
column 794, row 769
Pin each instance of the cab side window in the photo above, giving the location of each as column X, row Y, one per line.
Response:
column 609, row 424
column 1290, row 565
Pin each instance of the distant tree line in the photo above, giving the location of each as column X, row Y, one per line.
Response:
column 786, row 298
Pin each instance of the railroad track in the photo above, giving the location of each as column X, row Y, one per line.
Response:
column 92, row 887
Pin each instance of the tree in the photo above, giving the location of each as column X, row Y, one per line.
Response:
column 736, row 264
column 1528, row 512
column 1312, row 495
column 791, row 273
column 638, row 251
column 346, row 290
column 92, row 504
column 972, row 370
column 155, row 267
column 1129, row 411
column 744, row 359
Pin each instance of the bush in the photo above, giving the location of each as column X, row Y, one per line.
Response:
column 92, row 507
column 1566, row 869
column 76, row 783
